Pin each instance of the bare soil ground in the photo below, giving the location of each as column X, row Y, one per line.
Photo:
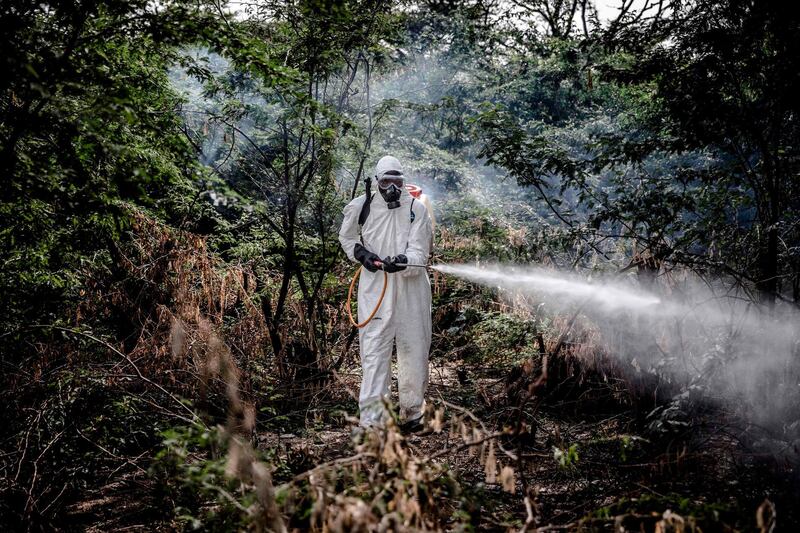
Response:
column 620, row 478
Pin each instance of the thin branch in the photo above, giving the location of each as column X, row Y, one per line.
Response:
column 141, row 376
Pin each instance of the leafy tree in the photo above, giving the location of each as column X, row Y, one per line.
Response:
column 86, row 121
column 281, row 152
column 684, row 144
column 725, row 75
column 89, row 133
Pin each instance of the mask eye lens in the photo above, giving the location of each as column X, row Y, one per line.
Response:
column 387, row 181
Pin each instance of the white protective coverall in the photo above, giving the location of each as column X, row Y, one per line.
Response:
column 405, row 314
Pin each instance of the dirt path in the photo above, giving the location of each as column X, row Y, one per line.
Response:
column 612, row 475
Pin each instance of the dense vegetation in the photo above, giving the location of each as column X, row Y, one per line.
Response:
column 175, row 349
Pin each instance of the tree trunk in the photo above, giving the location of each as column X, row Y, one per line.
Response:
column 767, row 283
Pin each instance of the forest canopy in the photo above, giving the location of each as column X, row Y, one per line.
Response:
column 615, row 267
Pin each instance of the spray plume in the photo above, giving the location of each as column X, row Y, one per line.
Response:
column 606, row 296
column 702, row 340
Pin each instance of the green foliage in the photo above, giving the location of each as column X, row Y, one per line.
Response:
column 567, row 458
column 711, row 516
column 666, row 146
column 626, row 444
column 504, row 338
column 190, row 470
column 89, row 133
column 88, row 122
column 473, row 232
column 317, row 36
column 675, row 139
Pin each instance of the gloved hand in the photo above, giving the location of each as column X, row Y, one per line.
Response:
column 366, row 258
column 395, row 264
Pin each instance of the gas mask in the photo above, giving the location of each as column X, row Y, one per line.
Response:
column 390, row 187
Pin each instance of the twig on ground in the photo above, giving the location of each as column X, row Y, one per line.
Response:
column 109, row 452
column 472, row 415
column 530, row 517
column 336, row 462
column 465, row 445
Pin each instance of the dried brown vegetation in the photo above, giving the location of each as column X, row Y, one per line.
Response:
column 541, row 441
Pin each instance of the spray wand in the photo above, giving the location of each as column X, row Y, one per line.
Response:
column 379, row 264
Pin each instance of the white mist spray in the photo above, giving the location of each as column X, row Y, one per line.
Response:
column 703, row 337
column 606, row 296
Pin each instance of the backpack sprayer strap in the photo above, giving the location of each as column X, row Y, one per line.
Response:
column 362, row 217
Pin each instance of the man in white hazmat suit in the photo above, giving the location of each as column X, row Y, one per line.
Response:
column 396, row 230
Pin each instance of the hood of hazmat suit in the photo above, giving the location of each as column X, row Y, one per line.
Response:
column 390, row 180
column 388, row 164
column 404, row 317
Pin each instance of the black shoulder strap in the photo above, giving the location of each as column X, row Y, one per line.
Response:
column 411, row 210
column 362, row 217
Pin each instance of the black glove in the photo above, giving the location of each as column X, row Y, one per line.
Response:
column 395, row 264
column 366, row 258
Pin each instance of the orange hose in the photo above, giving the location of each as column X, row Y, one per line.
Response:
column 350, row 298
